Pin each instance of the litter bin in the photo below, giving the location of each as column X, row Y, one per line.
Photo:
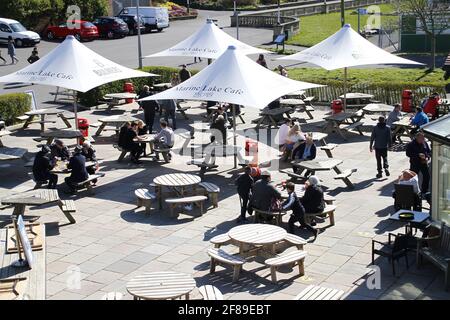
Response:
column 83, row 126
column 336, row 106
column 251, row 149
column 407, row 100
column 128, row 87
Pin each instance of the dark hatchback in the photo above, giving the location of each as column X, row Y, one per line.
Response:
column 111, row 27
column 132, row 23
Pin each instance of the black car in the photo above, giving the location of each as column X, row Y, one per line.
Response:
column 111, row 27
column 132, row 22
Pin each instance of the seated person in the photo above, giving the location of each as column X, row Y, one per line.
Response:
column 394, row 116
column 283, row 132
column 275, row 104
column 89, row 154
column 78, row 173
column 123, row 134
column 59, row 150
column 419, row 119
column 142, row 131
column 42, row 166
column 430, row 107
column 220, row 112
column 411, row 178
column 312, row 200
column 134, row 147
column 294, row 137
column 165, row 139
column 306, row 151
column 210, row 104
column 298, row 212
column 264, row 193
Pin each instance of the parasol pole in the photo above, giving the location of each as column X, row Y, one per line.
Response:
column 234, row 136
column 345, row 89
column 75, row 107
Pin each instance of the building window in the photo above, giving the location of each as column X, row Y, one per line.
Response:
column 443, row 177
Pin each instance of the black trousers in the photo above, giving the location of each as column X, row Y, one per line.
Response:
column 422, row 168
column 52, row 180
column 149, row 120
column 245, row 198
column 70, row 183
column 381, row 154
column 299, row 217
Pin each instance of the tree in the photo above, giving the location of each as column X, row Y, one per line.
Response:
column 433, row 17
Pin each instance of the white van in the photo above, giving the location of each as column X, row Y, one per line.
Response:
column 155, row 18
column 20, row 35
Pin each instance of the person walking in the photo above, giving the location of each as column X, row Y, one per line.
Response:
column 298, row 212
column 381, row 140
column 419, row 153
column 150, row 108
column 169, row 107
column 12, row 50
column 184, row 73
column 244, row 188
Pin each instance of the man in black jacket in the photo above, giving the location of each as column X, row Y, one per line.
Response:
column 42, row 166
column 381, row 140
column 312, row 200
column 77, row 165
column 264, row 193
column 419, row 154
column 184, row 73
column 130, row 144
column 244, row 188
column 298, row 212
column 59, row 150
column 150, row 108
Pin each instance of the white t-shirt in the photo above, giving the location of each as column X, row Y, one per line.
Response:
column 414, row 181
column 296, row 137
column 282, row 134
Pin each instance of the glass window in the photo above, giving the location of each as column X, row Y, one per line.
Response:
column 443, row 212
column 4, row 28
column 17, row 27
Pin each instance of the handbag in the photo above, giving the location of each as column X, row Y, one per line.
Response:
column 275, row 205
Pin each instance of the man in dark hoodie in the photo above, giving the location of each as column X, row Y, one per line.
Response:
column 42, row 167
column 381, row 141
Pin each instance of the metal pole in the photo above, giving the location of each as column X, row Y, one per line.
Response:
column 139, row 35
column 342, row 13
column 279, row 13
column 75, row 107
column 234, row 136
column 359, row 22
column 345, row 89
column 236, row 16
column 188, row 6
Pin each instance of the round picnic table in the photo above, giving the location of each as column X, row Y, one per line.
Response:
column 176, row 181
column 257, row 234
column 161, row 285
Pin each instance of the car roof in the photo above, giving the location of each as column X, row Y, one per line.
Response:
column 107, row 17
column 6, row 20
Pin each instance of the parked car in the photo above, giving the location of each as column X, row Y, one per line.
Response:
column 155, row 18
column 132, row 22
column 83, row 30
column 111, row 27
column 20, row 34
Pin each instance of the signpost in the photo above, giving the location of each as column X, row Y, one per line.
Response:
column 22, row 243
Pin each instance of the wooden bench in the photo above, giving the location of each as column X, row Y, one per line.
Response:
column 328, row 148
column 144, row 199
column 437, row 252
column 344, row 176
column 313, row 292
column 219, row 256
column 354, row 126
column 210, row 292
column 328, row 199
column 295, row 240
column 220, row 240
column 296, row 257
column 123, row 152
column 165, row 152
column 260, row 215
column 68, row 207
column 38, row 184
column 34, row 287
column 22, row 118
column 291, row 174
column 87, row 183
column 328, row 212
column 212, row 191
column 174, row 202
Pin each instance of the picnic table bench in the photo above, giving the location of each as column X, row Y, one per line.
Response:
column 174, row 202
column 7, row 154
column 23, row 283
column 297, row 257
column 210, row 292
column 218, row 256
column 313, row 292
column 351, row 121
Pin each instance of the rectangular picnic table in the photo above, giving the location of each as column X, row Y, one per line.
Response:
column 115, row 99
column 51, row 135
column 351, row 119
column 298, row 105
column 7, row 154
column 269, row 114
column 116, row 121
column 42, row 113
column 403, row 128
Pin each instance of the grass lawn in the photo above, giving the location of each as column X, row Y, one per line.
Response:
column 316, row 28
column 381, row 77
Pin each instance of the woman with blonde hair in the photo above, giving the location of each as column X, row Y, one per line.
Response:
column 295, row 135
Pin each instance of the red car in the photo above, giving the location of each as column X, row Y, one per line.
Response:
column 83, row 30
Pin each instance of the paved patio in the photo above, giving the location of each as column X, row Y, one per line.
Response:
column 112, row 242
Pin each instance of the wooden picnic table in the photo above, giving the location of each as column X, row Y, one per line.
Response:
column 403, row 128
column 295, row 94
column 175, row 181
column 351, row 119
column 374, row 108
column 318, row 165
column 319, row 137
column 117, row 121
column 115, row 99
column 161, row 285
column 298, row 105
column 269, row 114
column 61, row 134
column 257, row 234
column 146, row 139
column 42, row 113
column 7, row 154
column 61, row 166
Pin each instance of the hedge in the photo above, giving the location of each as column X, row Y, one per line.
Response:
column 13, row 105
column 92, row 97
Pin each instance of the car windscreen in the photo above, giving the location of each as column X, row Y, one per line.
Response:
column 17, row 27
column 87, row 25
